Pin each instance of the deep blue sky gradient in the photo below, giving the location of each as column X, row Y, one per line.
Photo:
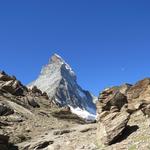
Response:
column 107, row 42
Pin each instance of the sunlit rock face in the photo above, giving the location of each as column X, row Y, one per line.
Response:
column 59, row 81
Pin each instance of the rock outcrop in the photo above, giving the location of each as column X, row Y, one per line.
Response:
column 117, row 105
column 11, row 85
column 111, row 119
column 111, row 98
column 140, row 90
column 17, row 104
column 29, row 115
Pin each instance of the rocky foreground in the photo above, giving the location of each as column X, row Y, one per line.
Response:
column 123, row 117
column 29, row 120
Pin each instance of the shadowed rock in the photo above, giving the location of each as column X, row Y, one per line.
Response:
column 111, row 126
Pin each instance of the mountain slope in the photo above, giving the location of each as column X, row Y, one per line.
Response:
column 59, row 81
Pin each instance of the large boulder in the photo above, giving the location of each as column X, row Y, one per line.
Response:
column 109, row 98
column 112, row 116
column 111, row 126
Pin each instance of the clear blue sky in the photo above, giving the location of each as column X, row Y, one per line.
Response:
column 107, row 42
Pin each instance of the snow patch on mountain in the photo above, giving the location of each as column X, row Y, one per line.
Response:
column 83, row 113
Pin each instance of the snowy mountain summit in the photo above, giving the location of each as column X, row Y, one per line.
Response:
column 60, row 82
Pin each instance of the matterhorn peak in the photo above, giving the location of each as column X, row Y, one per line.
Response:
column 56, row 59
column 58, row 80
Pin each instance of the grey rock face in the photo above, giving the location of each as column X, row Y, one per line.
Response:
column 112, row 115
column 58, row 80
column 111, row 127
column 111, row 99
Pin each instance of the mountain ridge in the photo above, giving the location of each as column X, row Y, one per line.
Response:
column 59, row 81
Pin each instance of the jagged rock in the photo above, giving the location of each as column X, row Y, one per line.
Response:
column 125, row 88
column 146, row 110
column 36, row 91
column 111, row 97
column 31, row 101
column 5, row 110
column 114, row 109
column 36, row 145
column 14, row 118
column 19, row 125
column 139, row 90
column 111, row 126
column 112, row 116
column 4, row 76
column 11, row 85
column 45, row 95
column 58, row 80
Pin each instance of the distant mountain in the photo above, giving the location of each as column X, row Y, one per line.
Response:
column 59, row 81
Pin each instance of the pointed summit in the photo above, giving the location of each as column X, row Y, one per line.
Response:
column 56, row 59
column 59, row 81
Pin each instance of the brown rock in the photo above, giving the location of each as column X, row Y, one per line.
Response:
column 136, row 90
column 125, row 88
column 109, row 98
column 111, row 126
column 11, row 85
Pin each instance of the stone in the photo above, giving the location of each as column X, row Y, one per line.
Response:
column 39, row 144
column 5, row 110
column 4, row 77
column 125, row 88
column 114, row 109
column 31, row 101
column 45, row 95
column 111, row 126
column 146, row 110
column 11, row 85
column 36, row 90
column 109, row 98
column 61, row 132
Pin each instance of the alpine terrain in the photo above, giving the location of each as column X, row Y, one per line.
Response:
column 61, row 115
column 59, row 81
